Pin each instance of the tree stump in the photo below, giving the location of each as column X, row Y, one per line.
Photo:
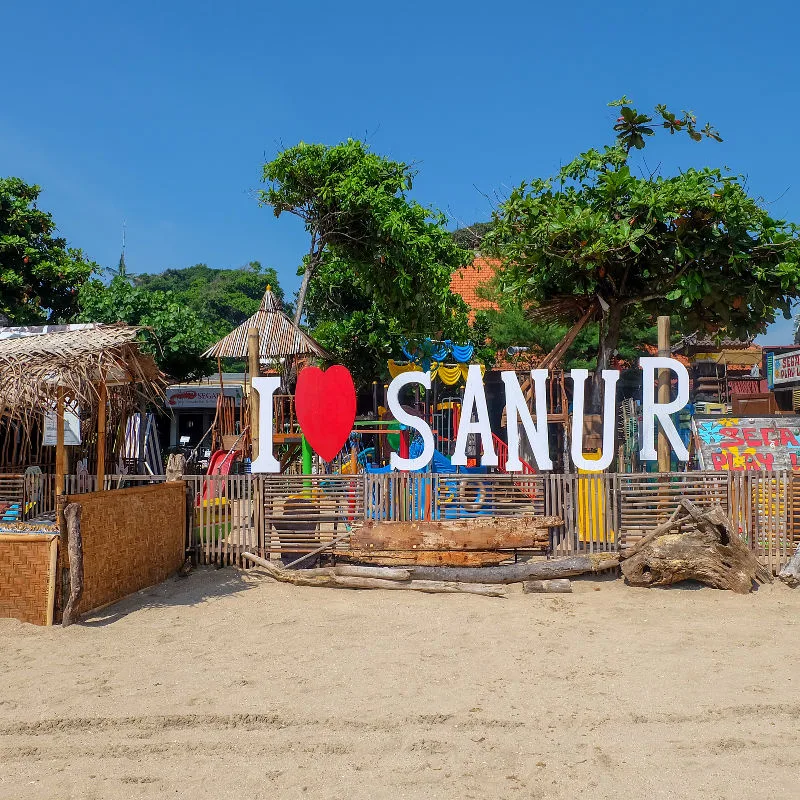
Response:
column 790, row 574
column 695, row 544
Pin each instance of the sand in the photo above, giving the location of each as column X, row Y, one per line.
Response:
column 224, row 685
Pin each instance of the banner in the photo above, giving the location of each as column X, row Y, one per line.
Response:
column 786, row 367
column 752, row 443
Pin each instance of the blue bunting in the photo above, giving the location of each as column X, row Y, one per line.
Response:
column 430, row 350
column 463, row 352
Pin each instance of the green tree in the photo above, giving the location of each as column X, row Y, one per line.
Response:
column 224, row 298
column 471, row 237
column 511, row 325
column 174, row 333
column 355, row 207
column 694, row 245
column 363, row 334
column 39, row 275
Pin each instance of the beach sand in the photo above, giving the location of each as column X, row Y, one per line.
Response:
column 228, row 685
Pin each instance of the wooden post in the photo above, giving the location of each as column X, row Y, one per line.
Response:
column 60, row 449
column 101, row 435
column 72, row 516
column 253, row 366
column 664, row 377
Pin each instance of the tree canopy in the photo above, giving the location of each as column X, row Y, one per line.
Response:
column 355, row 207
column 39, row 274
column 510, row 325
column 175, row 333
column 471, row 237
column 224, row 298
column 695, row 245
column 363, row 334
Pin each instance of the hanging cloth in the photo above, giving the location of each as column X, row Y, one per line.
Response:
column 440, row 353
column 463, row 352
column 398, row 368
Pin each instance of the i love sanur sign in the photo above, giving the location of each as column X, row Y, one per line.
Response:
column 325, row 402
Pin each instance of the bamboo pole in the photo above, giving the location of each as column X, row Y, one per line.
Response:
column 101, row 435
column 60, row 449
column 51, row 581
column 664, row 460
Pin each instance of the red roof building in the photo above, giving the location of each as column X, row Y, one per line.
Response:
column 465, row 282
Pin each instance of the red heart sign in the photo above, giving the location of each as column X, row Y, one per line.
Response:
column 325, row 403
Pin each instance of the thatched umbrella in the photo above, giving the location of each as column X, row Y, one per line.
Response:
column 278, row 336
column 269, row 335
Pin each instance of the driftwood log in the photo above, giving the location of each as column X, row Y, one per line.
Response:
column 556, row 586
column 516, row 573
column 348, row 577
column 790, row 574
column 428, row 558
column 694, row 544
column 495, row 533
column 72, row 519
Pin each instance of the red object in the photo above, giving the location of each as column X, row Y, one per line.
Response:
column 325, row 404
column 404, row 444
column 220, row 463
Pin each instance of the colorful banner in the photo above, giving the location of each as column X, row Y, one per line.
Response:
column 449, row 374
column 754, row 443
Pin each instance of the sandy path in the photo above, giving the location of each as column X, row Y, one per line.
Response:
column 223, row 685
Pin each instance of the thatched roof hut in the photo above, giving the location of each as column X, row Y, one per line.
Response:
column 56, row 367
column 37, row 364
column 278, row 336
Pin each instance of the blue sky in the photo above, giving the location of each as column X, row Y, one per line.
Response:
column 161, row 113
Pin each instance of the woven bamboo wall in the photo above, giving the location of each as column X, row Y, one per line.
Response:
column 26, row 589
column 132, row 539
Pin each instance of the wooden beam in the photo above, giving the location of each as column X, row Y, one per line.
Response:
column 516, row 573
column 60, row 449
column 101, row 434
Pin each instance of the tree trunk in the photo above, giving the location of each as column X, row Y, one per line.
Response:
column 476, row 534
column 301, row 295
column 610, row 325
column 708, row 551
column 72, row 516
column 516, row 573
column 427, row 558
column 344, row 578
column 790, row 574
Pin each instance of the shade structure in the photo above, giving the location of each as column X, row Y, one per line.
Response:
column 39, row 363
column 278, row 336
